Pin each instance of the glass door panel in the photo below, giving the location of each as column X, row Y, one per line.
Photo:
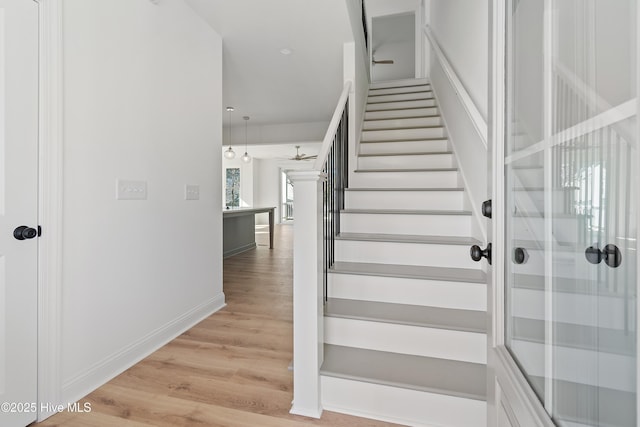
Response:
column 570, row 168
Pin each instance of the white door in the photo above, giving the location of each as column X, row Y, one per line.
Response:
column 18, row 207
column 565, row 346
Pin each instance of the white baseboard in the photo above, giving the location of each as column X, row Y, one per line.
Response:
column 84, row 383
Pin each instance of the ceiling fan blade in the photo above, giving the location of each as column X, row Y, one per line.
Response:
column 383, row 61
column 303, row 157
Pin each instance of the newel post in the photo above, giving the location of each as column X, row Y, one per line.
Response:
column 308, row 299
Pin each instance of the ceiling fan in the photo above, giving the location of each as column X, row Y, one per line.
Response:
column 302, row 156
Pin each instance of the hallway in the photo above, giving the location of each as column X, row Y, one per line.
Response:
column 229, row 370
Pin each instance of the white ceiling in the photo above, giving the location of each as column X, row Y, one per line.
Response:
column 262, row 83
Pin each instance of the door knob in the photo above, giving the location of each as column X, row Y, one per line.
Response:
column 478, row 253
column 23, row 232
column 520, row 255
column 486, row 208
column 610, row 254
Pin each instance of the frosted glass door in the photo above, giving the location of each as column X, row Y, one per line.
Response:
column 571, row 186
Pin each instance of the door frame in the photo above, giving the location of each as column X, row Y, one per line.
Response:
column 50, row 208
column 508, row 391
column 520, row 401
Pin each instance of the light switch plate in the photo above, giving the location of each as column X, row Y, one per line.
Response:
column 131, row 190
column 191, row 192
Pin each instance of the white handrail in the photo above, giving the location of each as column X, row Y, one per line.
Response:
column 476, row 118
column 333, row 126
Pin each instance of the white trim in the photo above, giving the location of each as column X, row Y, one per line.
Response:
column 308, row 307
column 470, row 107
column 636, row 181
column 50, row 204
column 518, row 385
column 333, row 126
column 82, row 384
column 602, row 120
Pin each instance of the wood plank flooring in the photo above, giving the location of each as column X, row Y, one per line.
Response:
column 229, row 370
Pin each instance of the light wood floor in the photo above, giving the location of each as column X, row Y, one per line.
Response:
column 229, row 370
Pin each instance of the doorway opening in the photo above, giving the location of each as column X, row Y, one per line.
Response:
column 393, row 47
column 287, row 197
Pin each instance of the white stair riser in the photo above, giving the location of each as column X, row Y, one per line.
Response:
column 579, row 365
column 403, row 134
column 565, row 264
column 394, row 114
column 533, row 201
column 399, row 83
column 530, row 228
column 402, row 123
column 533, row 177
column 521, row 141
column 418, row 161
column 450, row 256
column 416, row 200
column 580, row 309
column 421, row 179
column 433, row 225
column 429, row 146
column 415, row 340
column 396, row 90
column 401, row 105
column 435, row 293
column 400, row 406
column 399, row 97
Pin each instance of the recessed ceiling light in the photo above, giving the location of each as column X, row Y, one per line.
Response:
column 286, row 51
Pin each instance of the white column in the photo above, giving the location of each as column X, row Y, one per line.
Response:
column 308, row 316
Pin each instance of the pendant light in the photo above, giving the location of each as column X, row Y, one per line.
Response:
column 229, row 154
column 246, row 157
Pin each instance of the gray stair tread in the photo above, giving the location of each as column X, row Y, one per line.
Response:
column 407, row 140
column 440, row 126
column 402, row 189
column 570, row 335
column 407, row 170
column 403, row 314
column 404, row 212
column 416, row 90
column 403, row 128
column 376, row 102
column 407, row 238
column 571, row 400
column 540, row 245
column 420, row 272
column 564, row 285
column 427, row 153
column 454, row 378
column 428, row 116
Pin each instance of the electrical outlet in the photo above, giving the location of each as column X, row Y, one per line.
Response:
column 191, row 192
column 131, row 190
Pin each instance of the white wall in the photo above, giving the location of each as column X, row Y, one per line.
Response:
column 246, row 176
column 466, row 51
column 462, row 30
column 142, row 101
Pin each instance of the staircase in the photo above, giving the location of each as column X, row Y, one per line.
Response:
column 405, row 322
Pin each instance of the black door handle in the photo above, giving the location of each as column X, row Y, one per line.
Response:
column 486, row 208
column 23, row 232
column 520, row 255
column 478, row 253
column 610, row 254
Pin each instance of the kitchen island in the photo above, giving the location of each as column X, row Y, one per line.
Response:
column 239, row 229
